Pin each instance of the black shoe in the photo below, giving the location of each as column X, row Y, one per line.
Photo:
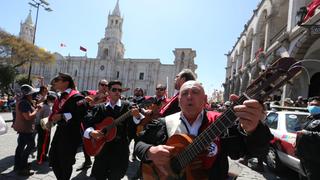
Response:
column 85, row 165
column 25, row 172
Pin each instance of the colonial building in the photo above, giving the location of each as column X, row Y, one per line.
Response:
column 271, row 33
column 110, row 63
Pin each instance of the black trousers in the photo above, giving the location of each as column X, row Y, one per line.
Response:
column 112, row 162
column 62, row 153
column 25, row 145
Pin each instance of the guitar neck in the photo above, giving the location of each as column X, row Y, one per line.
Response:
column 116, row 121
column 128, row 114
column 122, row 118
column 202, row 141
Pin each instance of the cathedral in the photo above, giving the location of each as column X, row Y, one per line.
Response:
column 110, row 63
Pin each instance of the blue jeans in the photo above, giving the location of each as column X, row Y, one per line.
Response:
column 25, row 146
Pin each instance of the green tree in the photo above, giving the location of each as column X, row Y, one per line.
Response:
column 14, row 53
column 5, row 81
column 17, row 52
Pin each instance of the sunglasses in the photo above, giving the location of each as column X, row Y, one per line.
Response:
column 104, row 85
column 159, row 89
column 116, row 89
column 58, row 79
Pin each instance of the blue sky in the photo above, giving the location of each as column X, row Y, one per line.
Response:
column 151, row 28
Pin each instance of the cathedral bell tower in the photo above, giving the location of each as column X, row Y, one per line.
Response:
column 27, row 29
column 184, row 59
column 111, row 47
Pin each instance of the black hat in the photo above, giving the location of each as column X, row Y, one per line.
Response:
column 65, row 77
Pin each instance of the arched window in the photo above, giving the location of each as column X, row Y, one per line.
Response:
column 182, row 56
column 106, row 53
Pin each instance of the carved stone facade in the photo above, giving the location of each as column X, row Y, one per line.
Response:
column 110, row 63
column 271, row 33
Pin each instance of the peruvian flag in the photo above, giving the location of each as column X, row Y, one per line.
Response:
column 63, row 45
column 83, row 49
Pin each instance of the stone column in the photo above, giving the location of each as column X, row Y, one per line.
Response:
column 244, row 56
column 267, row 33
column 253, row 46
column 294, row 7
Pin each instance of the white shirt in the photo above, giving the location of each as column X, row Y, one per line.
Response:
column 194, row 128
column 118, row 103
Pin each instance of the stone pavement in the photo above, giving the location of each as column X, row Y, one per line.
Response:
column 8, row 143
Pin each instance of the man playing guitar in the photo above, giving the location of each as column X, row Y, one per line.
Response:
column 99, row 96
column 112, row 160
column 248, row 136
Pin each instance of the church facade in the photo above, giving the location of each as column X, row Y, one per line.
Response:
column 110, row 63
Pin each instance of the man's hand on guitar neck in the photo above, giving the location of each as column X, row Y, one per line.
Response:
column 249, row 113
column 136, row 114
column 96, row 134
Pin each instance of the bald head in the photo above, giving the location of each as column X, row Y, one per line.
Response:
column 190, row 84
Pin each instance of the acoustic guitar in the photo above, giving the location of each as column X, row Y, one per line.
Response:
column 108, row 127
column 154, row 107
column 187, row 153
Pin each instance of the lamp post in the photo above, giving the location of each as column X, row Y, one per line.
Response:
column 36, row 4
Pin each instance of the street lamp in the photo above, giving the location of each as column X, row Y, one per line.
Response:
column 36, row 4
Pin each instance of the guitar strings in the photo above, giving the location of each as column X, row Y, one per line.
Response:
column 202, row 141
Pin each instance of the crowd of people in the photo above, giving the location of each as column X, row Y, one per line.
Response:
column 104, row 123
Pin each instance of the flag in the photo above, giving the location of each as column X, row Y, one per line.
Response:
column 63, row 45
column 83, row 49
column 311, row 9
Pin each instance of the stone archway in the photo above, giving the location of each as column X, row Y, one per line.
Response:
column 303, row 44
column 314, row 87
column 307, row 49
